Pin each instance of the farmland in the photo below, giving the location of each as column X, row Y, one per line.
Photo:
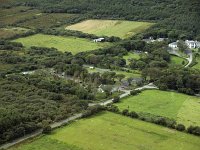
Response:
column 183, row 108
column 71, row 44
column 122, row 29
column 114, row 132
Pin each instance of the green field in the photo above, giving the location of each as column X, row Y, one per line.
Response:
column 183, row 108
column 132, row 73
column 197, row 66
column 109, row 131
column 122, row 29
column 71, row 44
column 131, row 56
column 177, row 60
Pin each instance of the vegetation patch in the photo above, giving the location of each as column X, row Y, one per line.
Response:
column 181, row 107
column 114, row 132
column 122, row 29
column 11, row 32
column 178, row 61
column 44, row 20
column 71, row 44
column 131, row 56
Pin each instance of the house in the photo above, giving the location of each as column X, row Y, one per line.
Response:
column 173, row 45
column 192, row 44
column 99, row 40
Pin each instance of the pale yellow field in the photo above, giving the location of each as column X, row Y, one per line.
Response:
column 122, row 29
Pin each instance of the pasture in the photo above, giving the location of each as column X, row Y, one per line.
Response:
column 109, row 131
column 71, row 44
column 118, row 28
column 183, row 108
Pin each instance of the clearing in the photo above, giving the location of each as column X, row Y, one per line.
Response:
column 118, row 28
column 197, row 66
column 71, row 44
column 183, row 108
column 10, row 32
column 175, row 60
column 109, row 131
column 131, row 56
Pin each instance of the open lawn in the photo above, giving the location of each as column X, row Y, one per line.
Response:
column 71, row 44
column 122, row 29
column 177, row 60
column 131, row 56
column 181, row 107
column 109, row 131
column 197, row 66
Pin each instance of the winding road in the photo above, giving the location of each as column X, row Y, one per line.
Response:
column 74, row 117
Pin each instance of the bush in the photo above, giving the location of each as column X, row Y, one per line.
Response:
column 133, row 114
column 125, row 112
column 135, row 92
column 180, row 127
column 47, row 129
column 93, row 110
column 113, row 108
column 116, row 99
column 194, row 130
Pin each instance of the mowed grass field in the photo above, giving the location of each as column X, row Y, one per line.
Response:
column 122, row 29
column 183, row 108
column 71, row 44
column 109, row 131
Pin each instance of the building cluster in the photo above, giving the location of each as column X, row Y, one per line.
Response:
column 191, row 44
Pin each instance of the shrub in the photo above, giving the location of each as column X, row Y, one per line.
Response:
column 135, row 92
column 194, row 130
column 125, row 112
column 180, row 127
column 133, row 114
column 116, row 99
column 47, row 129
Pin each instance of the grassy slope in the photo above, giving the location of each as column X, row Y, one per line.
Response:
column 183, row 108
column 131, row 56
column 71, row 44
column 122, row 29
column 197, row 66
column 113, row 132
column 177, row 60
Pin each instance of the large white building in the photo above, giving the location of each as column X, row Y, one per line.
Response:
column 192, row 44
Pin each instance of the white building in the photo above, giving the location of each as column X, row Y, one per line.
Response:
column 99, row 40
column 192, row 44
column 173, row 45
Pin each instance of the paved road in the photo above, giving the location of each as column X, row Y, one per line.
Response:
column 190, row 59
column 76, row 116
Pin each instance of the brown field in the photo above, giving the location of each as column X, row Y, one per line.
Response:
column 16, row 15
column 46, row 20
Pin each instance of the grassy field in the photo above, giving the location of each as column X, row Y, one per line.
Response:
column 181, row 107
column 44, row 20
column 109, row 131
column 177, row 60
column 72, row 44
column 197, row 66
column 10, row 32
column 122, row 29
column 131, row 56
column 133, row 73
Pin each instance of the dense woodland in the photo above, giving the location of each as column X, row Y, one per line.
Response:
column 28, row 102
